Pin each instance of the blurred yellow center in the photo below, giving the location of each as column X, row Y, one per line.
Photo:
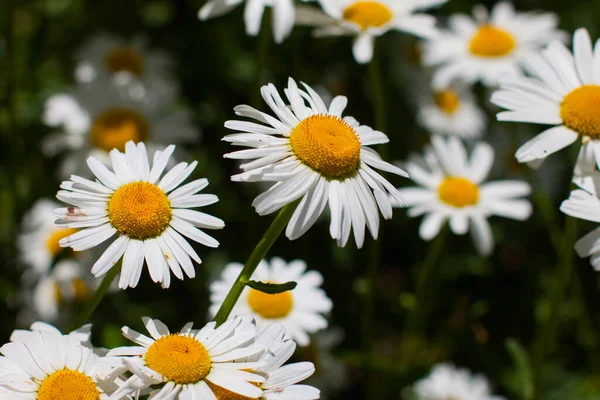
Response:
column 447, row 100
column 140, row 210
column 78, row 291
column 180, row 359
column 327, row 144
column 125, row 59
column 368, row 14
column 458, row 192
column 68, row 385
column 117, row 126
column 490, row 41
column 224, row 394
column 56, row 235
column 580, row 111
column 270, row 305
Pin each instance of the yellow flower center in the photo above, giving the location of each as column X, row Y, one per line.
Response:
column 270, row 306
column 447, row 100
column 125, row 59
column 224, row 394
column 327, row 144
column 458, row 192
column 117, row 126
column 56, row 235
column 490, row 41
column 140, row 210
column 178, row 358
column 368, row 14
column 77, row 289
column 580, row 111
column 68, row 385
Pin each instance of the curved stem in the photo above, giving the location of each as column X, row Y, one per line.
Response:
column 257, row 255
column 93, row 303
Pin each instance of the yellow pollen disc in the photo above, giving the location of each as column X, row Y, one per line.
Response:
column 68, row 385
column 580, row 111
column 224, row 394
column 327, row 144
column 270, row 305
column 490, row 41
column 180, row 359
column 125, row 59
column 58, row 234
column 447, row 100
column 368, row 14
column 458, row 192
column 117, row 126
column 80, row 290
column 140, row 210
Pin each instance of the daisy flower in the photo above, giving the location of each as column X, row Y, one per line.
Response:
column 43, row 364
column 485, row 48
column 366, row 20
column 313, row 154
column 563, row 91
column 95, row 118
column 299, row 310
column 190, row 363
column 284, row 14
column 448, row 382
column 454, row 189
column 148, row 213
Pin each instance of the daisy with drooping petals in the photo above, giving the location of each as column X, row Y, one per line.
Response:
column 448, row 382
column 149, row 214
column 299, row 310
column 312, row 153
column 564, row 91
column 366, row 20
column 454, row 189
column 190, row 364
column 486, row 48
column 43, row 364
column 284, row 14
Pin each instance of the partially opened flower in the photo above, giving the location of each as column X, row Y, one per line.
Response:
column 366, row 20
column 563, row 92
column 283, row 14
column 191, row 363
column 299, row 310
column 486, row 48
column 313, row 154
column 148, row 213
column 453, row 190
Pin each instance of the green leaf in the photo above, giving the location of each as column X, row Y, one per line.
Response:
column 522, row 368
column 271, row 288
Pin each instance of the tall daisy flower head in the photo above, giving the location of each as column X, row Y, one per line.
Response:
column 148, row 211
column 44, row 364
column 284, row 14
column 446, row 381
column 312, row 153
column 453, row 188
column 366, row 20
column 95, row 118
column 299, row 310
column 487, row 47
column 190, row 364
column 563, row 91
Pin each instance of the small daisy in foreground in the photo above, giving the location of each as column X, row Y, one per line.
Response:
column 149, row 214
column 312, row 153
column 366, row 20
column 284, row 14
column 448, row 382
column 452, row 112
column 299, row 310
column 564, row 91
column 43, row 364
column 454, row 189
column 191, row 363
column 486, row 48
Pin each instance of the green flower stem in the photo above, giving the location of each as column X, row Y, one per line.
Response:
column 259, row 252
column 262, row 55
column 93, row 303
